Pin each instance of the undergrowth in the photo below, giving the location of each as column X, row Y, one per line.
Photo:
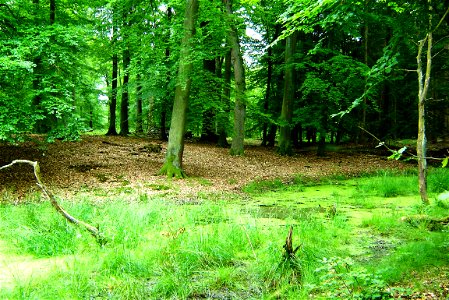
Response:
column 230, row 248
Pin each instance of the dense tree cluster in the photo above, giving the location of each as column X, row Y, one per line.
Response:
column 284, row 71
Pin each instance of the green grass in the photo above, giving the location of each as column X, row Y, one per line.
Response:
column 228, row 248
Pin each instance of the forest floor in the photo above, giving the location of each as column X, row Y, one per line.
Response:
column 103, row 162
column 100, row 163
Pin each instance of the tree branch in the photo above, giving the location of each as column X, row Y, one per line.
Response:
column 10, row 10
column 383, row 144
column 92, row 230
column 441, row 20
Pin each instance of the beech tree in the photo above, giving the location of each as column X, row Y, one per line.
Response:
column 240, row 85
column 175, row 148
column 285, row 138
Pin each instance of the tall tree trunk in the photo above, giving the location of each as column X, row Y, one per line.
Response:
column 208, row 133
column 226, row 99
column 39, row 126
column 175, row 148
column 168, row 92
column 114, row 81
column 423, row 86
column 208, row 130
column 285, row 138
column 52, row 11
column 124, row 104
column 266, row 103
column 365, row 59
column 139, row 100
column 240, row 88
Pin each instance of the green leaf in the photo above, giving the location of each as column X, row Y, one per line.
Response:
column 444, row 162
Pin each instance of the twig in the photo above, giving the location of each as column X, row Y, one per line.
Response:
column 382, row 143
column 37, row 174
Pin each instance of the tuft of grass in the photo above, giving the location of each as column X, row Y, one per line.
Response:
column 438, row 180
column 36, row 229
column 388, row 185
column 261, row 186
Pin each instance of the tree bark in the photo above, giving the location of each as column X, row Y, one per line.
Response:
column 114, row 81
column 226, row 99
column 139, row 100
column 285, row 138
column 240, row 87
column 39, row 126
column 168, row 91
column 175, row 148
column 52, row 11
column 124, row 104
column 423, row 87
column 208, row 132
column 266, row 104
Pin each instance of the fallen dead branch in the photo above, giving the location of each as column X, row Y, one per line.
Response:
column 95, row 232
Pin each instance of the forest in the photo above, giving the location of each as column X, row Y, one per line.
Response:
column 299, row 70
column 224, row 149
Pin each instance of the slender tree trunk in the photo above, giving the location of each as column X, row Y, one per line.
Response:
column 208, row 132
column 39, row 126
column 124, row 104
column 114, row 81
column 113, row 101
column 266, row 104
column 365, row 59
column 285, row 138
column 423, row 86
column 175, row 148
column 139, row 100
column 226, row 99
column 168, row 92
column 52, row 11
column 240, row 88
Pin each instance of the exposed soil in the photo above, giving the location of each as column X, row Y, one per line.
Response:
column 105, row 162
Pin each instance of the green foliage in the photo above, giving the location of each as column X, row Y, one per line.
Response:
column 341, row 280
column 330, row 83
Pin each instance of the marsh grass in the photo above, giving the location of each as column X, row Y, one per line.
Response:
column 220, row 248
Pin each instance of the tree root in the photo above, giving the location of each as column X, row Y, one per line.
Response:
column 170, row 170
column 95, row 232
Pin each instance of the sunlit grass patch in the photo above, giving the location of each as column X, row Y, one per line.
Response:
column 438, row 180
column 226, row 245
column 387, row 185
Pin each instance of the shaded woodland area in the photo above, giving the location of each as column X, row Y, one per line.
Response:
column 74, row 66
column 279, row 115
column 283, row 72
